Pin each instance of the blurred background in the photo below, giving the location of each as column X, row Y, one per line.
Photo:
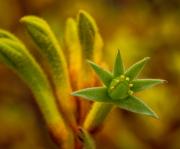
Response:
column 138, row 28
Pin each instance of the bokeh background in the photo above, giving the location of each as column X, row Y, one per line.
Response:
column 138, row 28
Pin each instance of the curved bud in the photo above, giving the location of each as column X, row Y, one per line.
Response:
column 45, row 39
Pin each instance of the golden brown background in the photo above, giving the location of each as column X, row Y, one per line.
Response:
column 138, row 28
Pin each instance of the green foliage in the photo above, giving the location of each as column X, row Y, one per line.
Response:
column 119, row 91
column 105, row 76
column 118, row 65
column 16, row 56
column 95, row 94
column 86, row 30
column 133, row 71
column 118, row 85
column 7, row 35
column 44, row 38
column 142, row 84
column 133, row 104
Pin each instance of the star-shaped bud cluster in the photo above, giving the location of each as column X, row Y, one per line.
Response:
column 123, row 84
column 120, row 86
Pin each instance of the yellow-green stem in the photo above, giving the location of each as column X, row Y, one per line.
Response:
column 96, row 116
column 61, row 134
column 14, row 54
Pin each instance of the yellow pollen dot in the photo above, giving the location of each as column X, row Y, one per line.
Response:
column 117, row 81
column 122, row 77
column 112, row 87
column 131, row 85
column 130, row 92
column 127, row 78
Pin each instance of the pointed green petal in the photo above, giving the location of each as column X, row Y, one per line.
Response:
column 133, row 71
column 118, row 65
column 105, row 76
column 95, row 94
column 135, row 105
column 142, row 84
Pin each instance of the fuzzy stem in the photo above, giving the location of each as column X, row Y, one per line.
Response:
column 96, row 116
column 16, row 56
column 86, row 139
column 60, row 133
column 49, row 47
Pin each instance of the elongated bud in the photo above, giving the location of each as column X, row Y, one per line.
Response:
column 74, row 51
column 6, row 35
column 16, row 56
column 87, row 30
column 45, row 39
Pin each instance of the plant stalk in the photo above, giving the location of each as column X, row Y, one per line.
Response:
column 96, row 116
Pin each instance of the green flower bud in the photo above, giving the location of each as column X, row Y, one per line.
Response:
column 120, row 88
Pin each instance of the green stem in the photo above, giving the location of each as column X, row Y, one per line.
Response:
column 86, row 139
column 96, row 116
column 61, row 134
column 16, row 56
